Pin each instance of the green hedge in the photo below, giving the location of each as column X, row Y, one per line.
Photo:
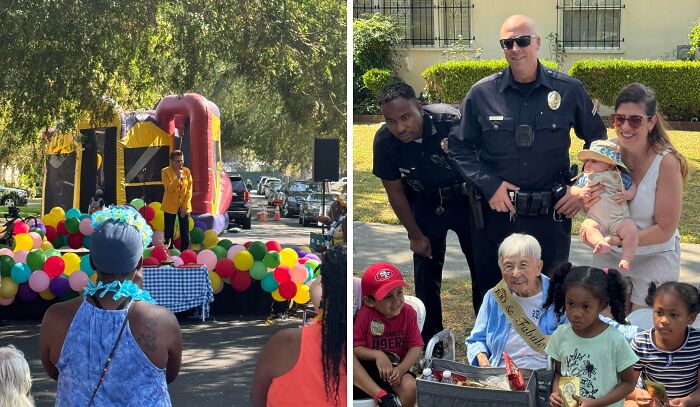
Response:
column 675, row 82
column 449, row 82
column 376, row 79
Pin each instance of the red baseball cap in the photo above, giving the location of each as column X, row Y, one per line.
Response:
column 380, row 278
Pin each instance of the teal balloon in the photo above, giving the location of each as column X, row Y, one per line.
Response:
column 272, row 259
column 310, row 277
column 258, row 250
column 86, row 242
column 84, row 216
column 86, row 266
column 258, row 271
column 36, row 259
column 20, row 272
column 137, row 203
column 268, row 283
column 225, row 243
column 52, row 252
column 6, row 263
column 219, row 251
column 73, row 213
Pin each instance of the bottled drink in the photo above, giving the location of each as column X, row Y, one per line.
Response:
column 447, row 377
column 428, row 375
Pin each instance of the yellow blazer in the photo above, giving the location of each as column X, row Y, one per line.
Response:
column 178, row 193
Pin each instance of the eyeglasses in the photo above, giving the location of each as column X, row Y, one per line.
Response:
column 634, row 121
column 522, row 41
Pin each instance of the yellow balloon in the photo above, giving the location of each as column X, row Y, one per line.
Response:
column 303, row 295
column 191, row 223
column 243, row 260
column 58, row 212
column 196, row 246
column 215, row 281
column 276, row 295
column 8, row 287
column 155, row 205
column 50, row 220
column 23, row 242
column 210, row 238
column 288, row 257
column 158, row 221
column 305, row 248
column 46, row 246
column 47, row 295
column 72, row 263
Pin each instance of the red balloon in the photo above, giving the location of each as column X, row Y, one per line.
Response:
column 288, row 290
column 225, row 268
column 54, row 266
column 188, row 256
column 20, row 227
column 282, row 274
column 159, row 253
column 147, row 212
column 241, row 280
column 247, row 244
column 75, row 240
column 273, row 246
column 302, row 260
column 61, row 227
column 178, row 243
column 51, row 233
column 151, row 261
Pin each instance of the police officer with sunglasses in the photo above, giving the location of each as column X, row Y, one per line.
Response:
column 513, row 144
column 424, row 188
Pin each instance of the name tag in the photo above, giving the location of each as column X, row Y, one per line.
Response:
column 499, row 118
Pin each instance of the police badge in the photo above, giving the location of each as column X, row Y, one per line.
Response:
column 554, row 100
column 377, row 328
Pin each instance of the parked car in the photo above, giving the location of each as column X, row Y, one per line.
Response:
column 271, row 191
column 267, row 184
column 293, row 194
column 339, row 185
column 13, row 196
column 260, row 184
column 311, row 207
column 239, row 210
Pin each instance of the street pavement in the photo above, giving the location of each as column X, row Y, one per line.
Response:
column 219, row 355
column 375, row 242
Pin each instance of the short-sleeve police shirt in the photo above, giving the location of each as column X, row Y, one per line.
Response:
column 424, row 159
column 484, row 144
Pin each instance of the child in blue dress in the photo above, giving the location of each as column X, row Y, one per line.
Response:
column 669, row 353
column 587, row 347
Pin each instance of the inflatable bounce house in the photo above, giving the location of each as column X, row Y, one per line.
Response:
column 123, row 158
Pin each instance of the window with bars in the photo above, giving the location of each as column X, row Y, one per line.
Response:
column 426, row 23
column 586, row 24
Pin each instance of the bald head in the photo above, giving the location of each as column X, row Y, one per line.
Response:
column 522, row 55
column 518, row 23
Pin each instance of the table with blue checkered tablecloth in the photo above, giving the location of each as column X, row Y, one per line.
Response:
column 179, row 288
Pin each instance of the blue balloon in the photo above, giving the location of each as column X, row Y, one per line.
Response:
column 268, row 283
column 20, row 272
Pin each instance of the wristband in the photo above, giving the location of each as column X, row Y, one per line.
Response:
column 381, row 393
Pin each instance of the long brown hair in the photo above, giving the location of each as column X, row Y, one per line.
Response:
column 658, row 136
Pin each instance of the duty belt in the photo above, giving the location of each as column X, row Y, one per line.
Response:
column 532, row 203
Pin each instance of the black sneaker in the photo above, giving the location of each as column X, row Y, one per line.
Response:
column 439, row 351
column 390, row 400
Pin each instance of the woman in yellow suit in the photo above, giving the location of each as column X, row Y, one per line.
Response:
column 177, row 199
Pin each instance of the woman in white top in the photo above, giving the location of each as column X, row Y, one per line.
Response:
column 659, row 170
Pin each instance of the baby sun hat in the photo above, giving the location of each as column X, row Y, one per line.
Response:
column 605, row 151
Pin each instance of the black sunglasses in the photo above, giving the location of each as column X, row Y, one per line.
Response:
column 522, row 41
column 635, row 121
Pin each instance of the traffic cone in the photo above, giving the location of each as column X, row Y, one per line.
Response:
column 277, row 213
column 262, row 214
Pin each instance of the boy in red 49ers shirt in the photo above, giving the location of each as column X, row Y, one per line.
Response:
column 385, row 328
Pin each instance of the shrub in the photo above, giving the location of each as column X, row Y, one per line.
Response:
column 375, row 79
column 694, row 37
column 675, row 82
column 449, row 82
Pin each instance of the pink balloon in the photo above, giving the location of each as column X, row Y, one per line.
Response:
column 207, row 257
column 78, row 280
column 7, row 252
column 39, row 281
column 234, row 249
column 36, row 240
column 299, row 274
column 6, row 301
column 21, row 256
column 85, row 227
column 177, row 261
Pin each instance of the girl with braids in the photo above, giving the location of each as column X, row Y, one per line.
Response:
column 307, row 367
column 587, row 347
column 669, row 353
column 658, row 170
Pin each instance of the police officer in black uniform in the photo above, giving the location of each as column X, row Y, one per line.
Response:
column 424, row 188
column 513, row 144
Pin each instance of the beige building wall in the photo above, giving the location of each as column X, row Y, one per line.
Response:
column 651, row 29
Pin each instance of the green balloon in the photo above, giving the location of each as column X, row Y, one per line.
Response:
column 137, row 203
column 6, row 263
column 36, row 259
column 258, row 250
column 225, row 243
column 52, row 252
column 272, row 260
column 147, row 252
column 73, row 225
column 197, row 235
column 37, row 230
column 219, row 251
column 59, row 242
column 175, row 252
column 258, row 271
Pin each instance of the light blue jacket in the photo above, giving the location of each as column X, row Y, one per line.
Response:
column 491, row 328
